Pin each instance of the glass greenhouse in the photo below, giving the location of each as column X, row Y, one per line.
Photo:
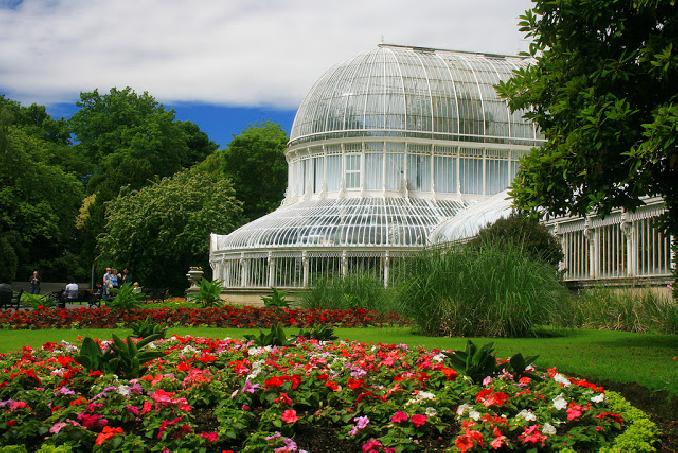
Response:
column 384, row 148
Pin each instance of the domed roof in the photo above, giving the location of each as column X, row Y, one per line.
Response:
column 414, row 92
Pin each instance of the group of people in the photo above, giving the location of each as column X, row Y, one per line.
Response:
column 113, row 279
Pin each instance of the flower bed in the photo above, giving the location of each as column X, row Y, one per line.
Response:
column 229, row 395
column 229, row 316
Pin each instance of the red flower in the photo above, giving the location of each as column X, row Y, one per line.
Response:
column 532, row 435
column 289, row 416
column 449, row 373
column 107, row 433
column 469, row 440
column 284, row 399
column 573, row 412
column 332, row 386
column 490, row 398
column 399, row 417
column 419, row 420
column 355, row 384
column 210, row 436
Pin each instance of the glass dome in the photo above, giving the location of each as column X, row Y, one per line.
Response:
column 414, row 92
column 385, row 148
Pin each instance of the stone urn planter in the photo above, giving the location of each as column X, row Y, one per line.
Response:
column 194, row 276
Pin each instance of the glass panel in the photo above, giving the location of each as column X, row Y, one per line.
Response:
column 333, row 173
column 419, row 172
column 374, row 166
column 395, row 170
column 497, row 176
column 352, row 171
column 318, row 173
column 471, row 176
column 446, row 174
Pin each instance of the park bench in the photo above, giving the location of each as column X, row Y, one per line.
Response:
column 155, row 294
column 11, row 300
column 84, row 295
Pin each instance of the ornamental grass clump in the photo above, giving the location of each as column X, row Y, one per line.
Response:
column 355, row 290
column 494, row 290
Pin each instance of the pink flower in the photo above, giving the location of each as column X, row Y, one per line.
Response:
column 371, row 446
column 211, row 436
column 532, row 435
column 289, row 416
column 399, row 417
column 419, row 420
column 573, row 412
column 57, row 427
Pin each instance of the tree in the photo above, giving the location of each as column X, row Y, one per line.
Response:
column 130, row 140
column 255, row 161
column 604, row 90
column 160, row 230
column 38, row 204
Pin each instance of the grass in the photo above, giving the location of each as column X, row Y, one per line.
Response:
column 649, row 360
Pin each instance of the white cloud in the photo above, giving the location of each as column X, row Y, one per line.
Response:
column 236, row 52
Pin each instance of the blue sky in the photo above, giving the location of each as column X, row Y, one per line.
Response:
column 224, row 65
column 219, row 122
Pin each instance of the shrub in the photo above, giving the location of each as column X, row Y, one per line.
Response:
column 276, row 299
column 125, row 298
column 148, row 327
column 524, row 232
column 632, row 310
column 209, row 294
column 36, row 300
column 495, row 290
column 352, row 291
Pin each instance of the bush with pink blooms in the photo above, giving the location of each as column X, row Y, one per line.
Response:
column 206, row 394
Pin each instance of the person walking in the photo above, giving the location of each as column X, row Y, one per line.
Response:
column 35, row 283
column 126, row 277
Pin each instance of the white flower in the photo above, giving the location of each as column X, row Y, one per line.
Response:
column 528, row 415
column 461, row 410
column 562, row 379
column 373, row 348
column 475, row 415
column 123, row 390
column 426, row 396
column 58, row 372
column 548, row 429
column 599, row 398
column 438, row 357
column 430, row 411
column 68, row 347
column 255, row 350
column 559, row 402
column 189, row 349
column 152, row 345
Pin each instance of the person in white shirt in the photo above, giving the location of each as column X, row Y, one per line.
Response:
column 71, row 291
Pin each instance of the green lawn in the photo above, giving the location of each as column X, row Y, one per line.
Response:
column 621, row 357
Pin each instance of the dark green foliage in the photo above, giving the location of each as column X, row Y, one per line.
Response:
column 39, row 198
column 276, row 299
column 358, row 290
column 495, row 290
column 476, row 363
column 159, row 231
column 147, row 328
column 524, row 232
column 604, row 93
column 131, row 140
column 320, row 332
column 479, row 363
column 276, row 337
column 209, row 294
column 124, row 358
column 255, row 161
column 126, row 298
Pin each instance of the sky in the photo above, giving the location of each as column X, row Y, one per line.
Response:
column 224, row 64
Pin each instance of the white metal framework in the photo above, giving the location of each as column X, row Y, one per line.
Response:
column 620, row 246
column 385, row 146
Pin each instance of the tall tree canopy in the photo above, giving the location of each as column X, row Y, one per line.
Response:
column 131, row 140
column 39, row 197
column 255, row 161
column 160, row 230
column 604, row 90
